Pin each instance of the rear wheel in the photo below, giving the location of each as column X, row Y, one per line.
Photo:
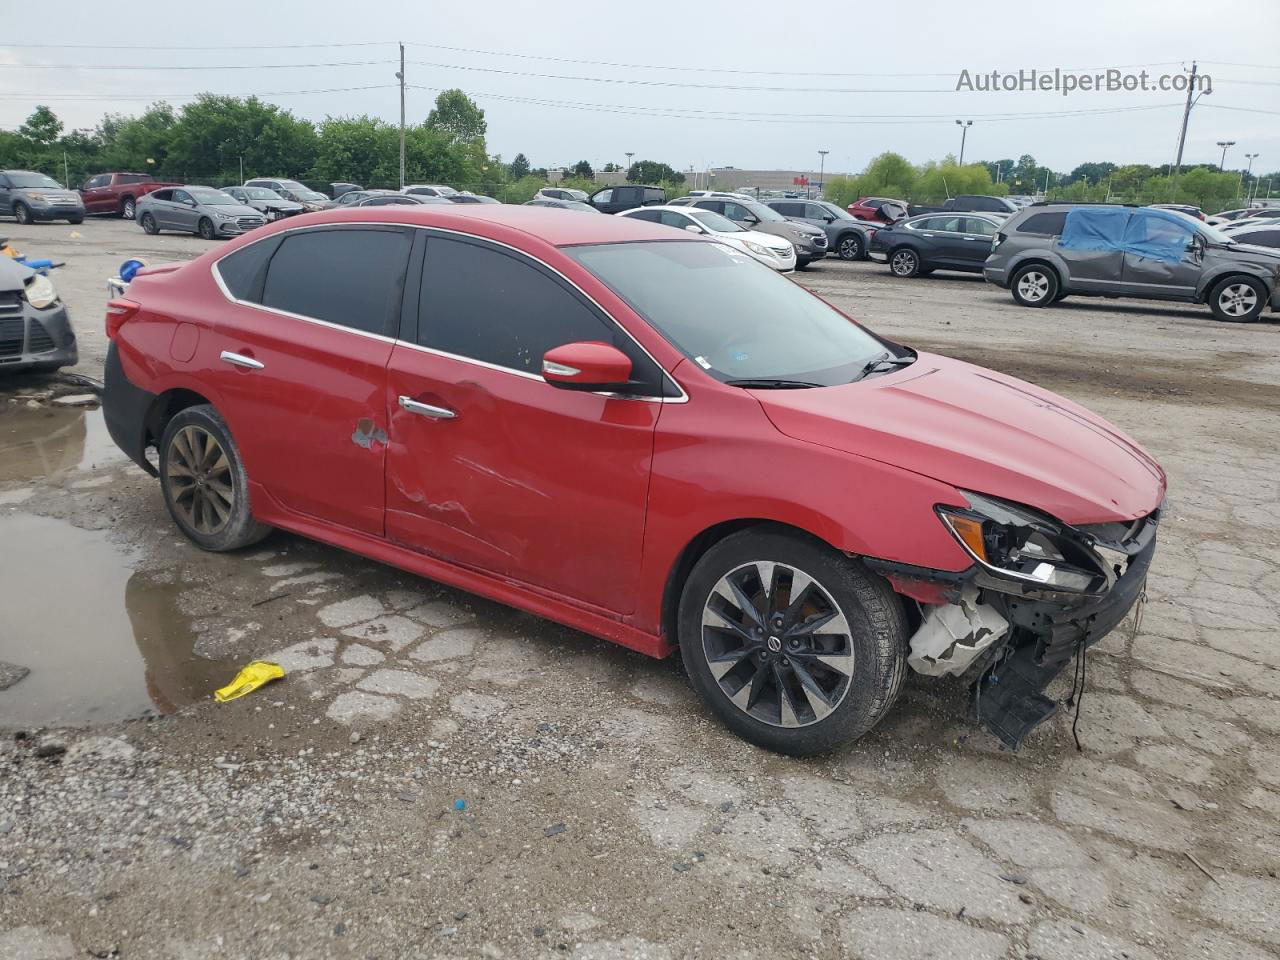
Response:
column 850, row 247
column 798, row 648
column 1034, row 286
column 904, row 262
column 204, row 482
column 22, row 213
column 129, row 208
column 149, row 224
column 1238, row 300
column 206, row 228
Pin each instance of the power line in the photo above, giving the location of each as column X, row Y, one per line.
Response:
column 219, row 66
column 93, row 97
column 142, row 46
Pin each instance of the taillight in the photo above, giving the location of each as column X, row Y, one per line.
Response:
column 118, row 311
column 998, row 239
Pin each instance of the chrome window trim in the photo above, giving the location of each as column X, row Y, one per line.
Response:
column 217, row 279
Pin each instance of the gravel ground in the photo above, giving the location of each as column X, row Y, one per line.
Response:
column 442, row 776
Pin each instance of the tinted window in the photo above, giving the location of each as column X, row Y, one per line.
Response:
column 242, row 272
column 651, row 215
column 162, row 195
column 93, row 183
column 1045, row 224
column 872, row 204
column 351, row 277
column 487, row 305
column 626, row 195
column 1264, row 238
column 653, row 195
column 715, row 205
column 673, row 219
column 814, row 212
column 947, row 224
column 133, row 178
column 789, row 209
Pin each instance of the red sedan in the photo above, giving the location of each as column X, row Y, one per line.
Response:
column 648, row 436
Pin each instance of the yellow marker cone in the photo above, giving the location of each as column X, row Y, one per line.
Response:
column 249, row 679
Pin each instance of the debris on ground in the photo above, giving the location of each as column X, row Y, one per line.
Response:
column 249, row 679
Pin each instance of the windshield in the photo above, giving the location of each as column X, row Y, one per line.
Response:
column 713, row 221
column 836, row 212
column 261, row 193
column 763, row 212
column 734, row 317
column 1213, row 234
column 575, row 194
column 34, row 180
column 208, row 195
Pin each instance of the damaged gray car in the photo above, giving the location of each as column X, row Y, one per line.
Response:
column 35, row 330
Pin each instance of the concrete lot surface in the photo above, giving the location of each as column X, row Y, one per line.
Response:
column 440, row 776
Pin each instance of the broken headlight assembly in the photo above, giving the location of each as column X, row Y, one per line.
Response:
column 1017, row 546
column 40, row 292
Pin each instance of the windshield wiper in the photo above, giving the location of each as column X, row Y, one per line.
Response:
column 772, row 384
column 884, row 360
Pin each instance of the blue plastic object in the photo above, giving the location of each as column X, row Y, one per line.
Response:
column 459, row 804
column 1147, row 232
column 129, row 268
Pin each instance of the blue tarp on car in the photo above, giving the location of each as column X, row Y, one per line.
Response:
column 1147, row 232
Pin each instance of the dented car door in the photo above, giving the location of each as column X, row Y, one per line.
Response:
column 300, row 363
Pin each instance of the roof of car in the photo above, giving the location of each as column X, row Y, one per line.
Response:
column 492, row 219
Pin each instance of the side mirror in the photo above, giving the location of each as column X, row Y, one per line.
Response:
column 586, row 366
column 829, row 219
column 751, row 218
column 694, row 228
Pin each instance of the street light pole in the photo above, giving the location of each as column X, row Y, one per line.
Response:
column 964, row 126
column 1222, row 164
column 628, row 154
column 1248, row 172
column 822, row 169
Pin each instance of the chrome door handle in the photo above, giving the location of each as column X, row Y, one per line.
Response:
column 240, row 360
column 426, row 409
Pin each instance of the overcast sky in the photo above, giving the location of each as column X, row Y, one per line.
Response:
column 886, row 73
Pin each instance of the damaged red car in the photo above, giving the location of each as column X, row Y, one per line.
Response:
column 645, row 435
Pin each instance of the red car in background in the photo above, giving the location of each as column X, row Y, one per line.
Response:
column 117, row 193
column 646, row 435
column 878, row 209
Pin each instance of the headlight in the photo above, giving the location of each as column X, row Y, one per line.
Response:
column 224, row 216
column 1015, row 543
column 40, row 292
column 37, row 197
column 756, row 248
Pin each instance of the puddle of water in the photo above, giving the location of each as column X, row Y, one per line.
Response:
column 43, row 441
column 103, row 642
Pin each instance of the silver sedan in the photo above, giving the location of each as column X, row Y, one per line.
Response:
column 203, row 210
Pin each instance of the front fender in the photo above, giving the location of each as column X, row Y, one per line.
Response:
column 1266, row 273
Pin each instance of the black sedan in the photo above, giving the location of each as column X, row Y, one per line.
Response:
column 936, row 241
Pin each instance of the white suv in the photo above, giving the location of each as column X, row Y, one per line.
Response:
column 429, row 190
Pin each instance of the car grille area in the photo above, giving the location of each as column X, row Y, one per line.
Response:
column 12, row 334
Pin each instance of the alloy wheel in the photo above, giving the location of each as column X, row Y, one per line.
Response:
column 903, row 263
column 850, row 248
column 129, row 209
column 777, row 644
column 1033, row 286
column 1237, row 300
column 21, row 213
column 200, row 480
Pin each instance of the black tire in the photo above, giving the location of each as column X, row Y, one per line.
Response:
column 875, row 642
column 1062, row 295
column 74, row 221
column 1238, row 299
column 222, row 489
column 205, row 227
column 22, row 213
column 149, row 224
column 803, row 263
column 851, row 247
column 904, row 262
column 1034, row 285
column 128, row 208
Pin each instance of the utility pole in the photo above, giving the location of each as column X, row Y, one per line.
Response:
column 1186, row 116
column 400, row 77
column 628, row 154
column 66, row 173
column 822, row 171
column 964, row 126
column 241, row 169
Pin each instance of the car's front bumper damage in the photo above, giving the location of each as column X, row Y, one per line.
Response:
column 1013, row 639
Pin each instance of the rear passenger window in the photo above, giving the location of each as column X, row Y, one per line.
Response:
column 790, row 209
column 351, row 277
column 651, row 215
column 1045, row 224
column 242, row 272
column 488, row 305
column 979, row 226
column 654, row 195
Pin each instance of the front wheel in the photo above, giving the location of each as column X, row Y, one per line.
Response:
column 904, row 262
column 1034, row 286
column 1238, row 300
column 149, row 224
column 206, row 228
column 204, row 482
column 850, row 247
column 22, row 213
column 796, row 647
column 74, row 221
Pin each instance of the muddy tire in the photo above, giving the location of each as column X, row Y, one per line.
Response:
column 796, row 647
column 1238, row 300
column 206, row 228
column 22, row 213
column 204, row 482
column 1034, row 285
column 149, row 224
column 904, row 262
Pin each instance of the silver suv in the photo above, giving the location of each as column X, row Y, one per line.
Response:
column 1048, row 251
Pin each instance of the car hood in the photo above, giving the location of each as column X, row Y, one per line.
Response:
column 802, row 229
column 770, row 240
column 1243, row 249
column 232, row 209
column 13, row 275
column 277, row 204
column 982, row 431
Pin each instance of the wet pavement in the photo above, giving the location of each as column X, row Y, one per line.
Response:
column 443, row 776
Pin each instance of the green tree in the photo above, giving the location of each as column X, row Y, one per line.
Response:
column 457, row 116
column 137, row 143
column 519, row 167
column 213, row 133
column 650, row 171
column 1092, row 172
column 41, row 128
column 361, row 149
column 583, row 169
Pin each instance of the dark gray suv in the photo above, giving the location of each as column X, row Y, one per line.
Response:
column 1048, row 251
column 847, row 236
